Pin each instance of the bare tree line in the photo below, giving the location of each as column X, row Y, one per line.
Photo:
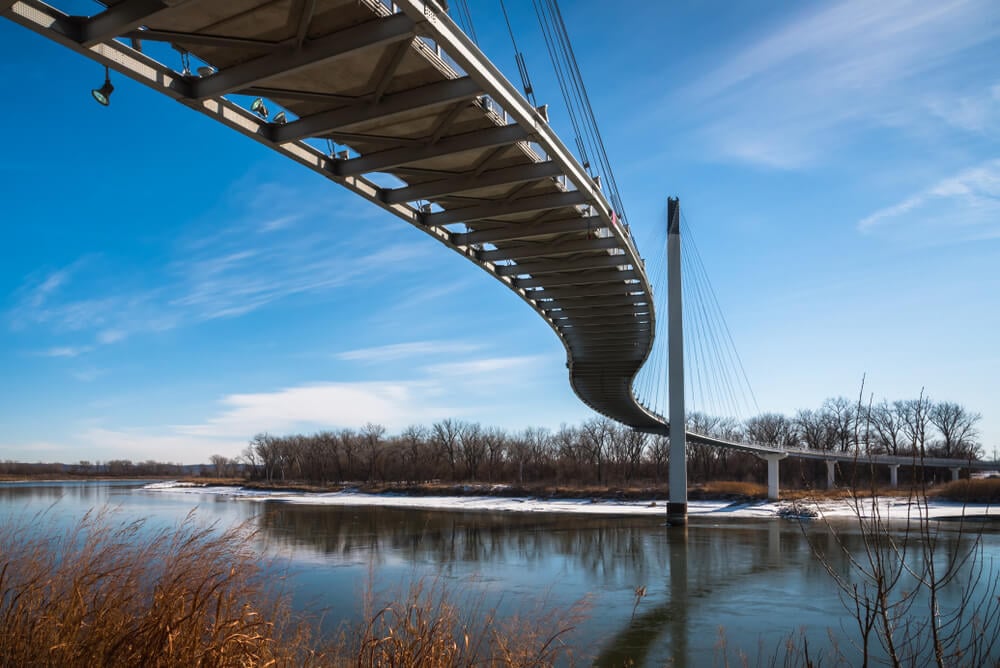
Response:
column 601, row 451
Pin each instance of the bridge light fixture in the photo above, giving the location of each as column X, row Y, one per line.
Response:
column 280, row 118
column 206, row 71
column 343, row 155
column 103, row 94
column 257, row 107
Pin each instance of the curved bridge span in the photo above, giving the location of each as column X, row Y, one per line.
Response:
column 392, row 101
column 395, row 103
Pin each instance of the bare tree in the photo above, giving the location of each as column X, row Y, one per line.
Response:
column 843, row 414
column 413, row 438
column 887, row 424
column 349, row 446
column 495, row 440
column 815, row 428
column 473, row 448
column 445, row 435
column 958, row 429
column 659, row 452
column 771, row 429
column 595, row 442
column 915, row 417
column 371, row 443
column 221, row 464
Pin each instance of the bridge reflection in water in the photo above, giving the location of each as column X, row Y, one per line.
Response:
column 755, row 583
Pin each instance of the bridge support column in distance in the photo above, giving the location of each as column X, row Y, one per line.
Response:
column 894, row 475
column 677, row 504
column 831, row 468
column 955, row 470
column 772, row 473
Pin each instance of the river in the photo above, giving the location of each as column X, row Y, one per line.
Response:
column 719, row 588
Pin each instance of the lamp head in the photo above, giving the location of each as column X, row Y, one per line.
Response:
column 280, row 118
column 103, row 94
column 257, row 107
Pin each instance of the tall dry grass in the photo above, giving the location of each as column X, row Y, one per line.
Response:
column 432, row 627
column 110, row 593
column 984, row 490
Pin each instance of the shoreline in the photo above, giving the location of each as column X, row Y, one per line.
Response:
column 888, row 507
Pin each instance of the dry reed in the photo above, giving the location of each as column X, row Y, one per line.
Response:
column 111, row 593
column 983, row 490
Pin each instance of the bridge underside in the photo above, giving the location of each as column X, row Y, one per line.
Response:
column 396, row 104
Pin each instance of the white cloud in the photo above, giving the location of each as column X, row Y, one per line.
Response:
column 964, row 206
column 793, row 95
column 236, row 269
column 324, row 405
column 65, row 351
column 89, row 374
column 397, row 351
column 99, row 443
column 111, row 336
column 476, row 369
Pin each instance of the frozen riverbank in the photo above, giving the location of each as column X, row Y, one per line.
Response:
column 888, row 507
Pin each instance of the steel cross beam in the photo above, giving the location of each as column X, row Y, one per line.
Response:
column 514, row 231
column 291, row 59
column 459, row 183
column 543, row 250
column 120, row 18
column 550, row 267
column 497, row 209
column 582, row 278
column 375, row 162
column 425, row 97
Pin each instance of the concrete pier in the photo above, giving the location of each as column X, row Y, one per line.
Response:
column 773, row 488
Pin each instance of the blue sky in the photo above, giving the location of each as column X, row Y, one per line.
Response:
column 169, row 288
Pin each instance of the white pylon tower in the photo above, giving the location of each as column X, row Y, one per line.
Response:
column 677, row 505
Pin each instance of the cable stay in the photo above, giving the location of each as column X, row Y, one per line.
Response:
column 463, row 17
column 717, row 390
column 592, row 152
column 522, row 67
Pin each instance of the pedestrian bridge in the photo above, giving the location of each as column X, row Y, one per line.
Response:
column 394, row 102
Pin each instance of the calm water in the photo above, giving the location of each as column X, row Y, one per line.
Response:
column 752, row 582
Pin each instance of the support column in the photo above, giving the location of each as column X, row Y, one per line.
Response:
column 894, row 475
column 831, row 465
column 955, row 470
column 772, row 473
column 677, row 505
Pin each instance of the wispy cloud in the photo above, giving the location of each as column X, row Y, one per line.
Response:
column 476, row 369
column 88, row 375
column 279, row 243
column 412, row 349
column 473, row 386
column 790, row 96
column 965, row 206
column 323, row 405
column 65, row 351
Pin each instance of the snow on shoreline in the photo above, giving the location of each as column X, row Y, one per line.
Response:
column 891, row 508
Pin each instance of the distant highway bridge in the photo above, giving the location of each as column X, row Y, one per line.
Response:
column 394, row 102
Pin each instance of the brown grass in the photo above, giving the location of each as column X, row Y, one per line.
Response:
column 432, row 628
column 119, row 594
column 970, row 491
column 728, row 489
column 112, row 594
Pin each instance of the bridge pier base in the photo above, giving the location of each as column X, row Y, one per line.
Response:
column 772, row 474
column 894, row 475
column 831, row 467
column 677, row 513
column 955, row 470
